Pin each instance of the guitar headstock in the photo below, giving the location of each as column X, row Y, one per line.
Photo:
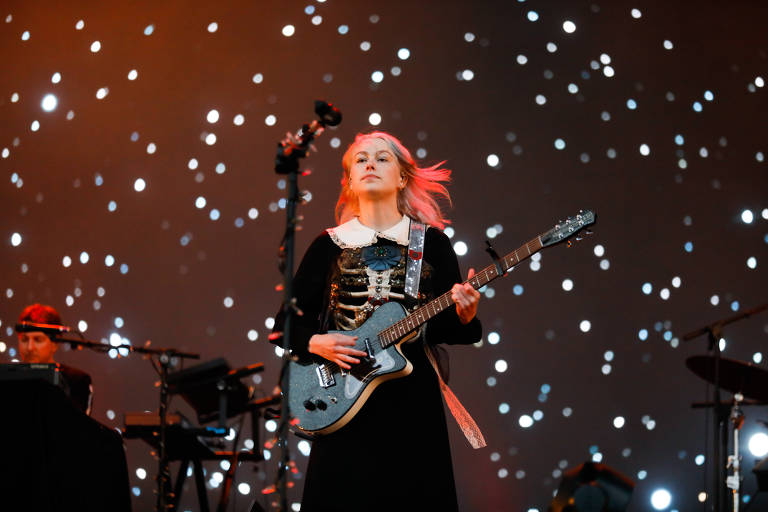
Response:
column 567, row 228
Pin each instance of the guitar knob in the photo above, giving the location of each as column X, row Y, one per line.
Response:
column 309, row 405
column 321, row 405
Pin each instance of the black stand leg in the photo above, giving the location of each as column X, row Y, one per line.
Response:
column 202, row 496
column 178, row 487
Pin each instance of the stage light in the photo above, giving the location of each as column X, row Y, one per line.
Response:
column 592, row 487
column 15, row 239
column 758, row 444
column 243, row 488
column 49, row 102
column 569, row 27
column 492, row 160
column 460, row 248
column 525, row 421
column 747, row 216
column 661, row 499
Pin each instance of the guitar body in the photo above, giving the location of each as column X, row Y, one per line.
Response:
column 324, row 397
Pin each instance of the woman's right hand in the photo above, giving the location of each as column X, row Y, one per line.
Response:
column 335, row 347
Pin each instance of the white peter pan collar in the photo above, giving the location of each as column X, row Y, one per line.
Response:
column 353, row 234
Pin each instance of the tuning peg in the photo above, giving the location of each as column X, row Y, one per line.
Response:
column 588, row 232
column 569, row 243
column 578, row 238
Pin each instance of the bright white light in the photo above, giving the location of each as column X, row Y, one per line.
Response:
column 151, row 148
column 95, row 46
column 759, row 81
column 192, row 164
column 585, row 325
column 243, row 488
column 210, row 139
column 343, row 29
column 699, row 460
column 569, row 27
column 500, row 366
column 757, row 358
column 567, row 285
column 758, row 444
column 747, row 216
column 541, row 99
column 214, row 214
column 269, row 323
column 289, row 30
column 270, row 425
column 493, row 338
column 645, row 150
column 253, row 213
column 676, row 282
column 664, row 293
column 599, row 251
column 109, row 260
column 304, row 447
column 559, row 144
column 597, row 457
column 200, row 202
column 239, row 120
column 619, row 421
column 551, row 47
column 374, row 119
column 606, row 369
column 533, row 16
column 525, row 421
column 661, row 499
column 228, row 302
column 102, row 93
column 752, row 262
column 35, row 125
column 460, row 248
column 317, row 19
column 213, row 116
column 15, row 239
column 139, row 185
column 49, row 103
column 668, row 44
column 636, row 13
column 403, row 53
column 79, row 25
column 141, row 473
column 133, row 74
column 213, row 27
column 467, row 74
column 258, row 78
column 377, row 76
column 492, row 160
column 84, row 257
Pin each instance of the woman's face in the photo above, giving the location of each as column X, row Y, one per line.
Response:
column 375, row 172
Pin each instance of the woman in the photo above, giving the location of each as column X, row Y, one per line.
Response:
column 394, row 454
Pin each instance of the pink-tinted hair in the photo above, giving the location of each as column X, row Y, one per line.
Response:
column 417, row 200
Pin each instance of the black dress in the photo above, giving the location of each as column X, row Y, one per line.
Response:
column 394, row 454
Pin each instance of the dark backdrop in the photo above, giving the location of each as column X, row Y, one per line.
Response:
column 59, row 177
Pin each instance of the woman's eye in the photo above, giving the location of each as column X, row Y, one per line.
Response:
column 360, row 160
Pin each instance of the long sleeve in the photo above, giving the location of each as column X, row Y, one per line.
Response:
column 310, row 289
column 446, row 327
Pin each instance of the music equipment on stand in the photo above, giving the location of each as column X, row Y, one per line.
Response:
column 727, row 374
column 216, row 393
column 55, row 457
column 325, row 397
column 743, row 379
column 48, row 372
column 592, row 487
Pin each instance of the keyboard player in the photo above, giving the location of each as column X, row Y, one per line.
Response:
column 37, row 347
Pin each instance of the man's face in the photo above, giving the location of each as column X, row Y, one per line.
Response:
column 36, row 347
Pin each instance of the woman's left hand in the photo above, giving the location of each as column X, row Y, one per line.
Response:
column 466, row 299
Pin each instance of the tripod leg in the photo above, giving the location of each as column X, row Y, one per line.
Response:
column 179, row 486
column 202, row 495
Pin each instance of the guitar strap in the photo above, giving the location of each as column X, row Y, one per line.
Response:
column 467, row 425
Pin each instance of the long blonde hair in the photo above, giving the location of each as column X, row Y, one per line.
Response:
column 422, row 186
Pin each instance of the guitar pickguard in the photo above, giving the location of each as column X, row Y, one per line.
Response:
column 352, row 384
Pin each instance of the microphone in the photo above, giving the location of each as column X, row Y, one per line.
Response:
column 46, row 328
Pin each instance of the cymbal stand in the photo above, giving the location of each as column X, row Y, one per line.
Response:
column 734, row 461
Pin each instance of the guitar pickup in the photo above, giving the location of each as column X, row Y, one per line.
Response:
column 325, row 376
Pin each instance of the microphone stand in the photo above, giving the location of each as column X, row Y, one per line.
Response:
column 289, row 151
column 720, row 433
column 164, row 357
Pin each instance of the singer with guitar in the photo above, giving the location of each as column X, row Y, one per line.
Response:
column 391, row 453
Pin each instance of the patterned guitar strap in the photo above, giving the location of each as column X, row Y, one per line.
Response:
column 467, row 425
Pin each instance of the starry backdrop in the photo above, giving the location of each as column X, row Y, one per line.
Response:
column 139, row 199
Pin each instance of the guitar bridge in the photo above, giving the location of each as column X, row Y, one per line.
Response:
column 325, row 376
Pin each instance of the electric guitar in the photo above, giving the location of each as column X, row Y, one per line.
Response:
column 324, row 397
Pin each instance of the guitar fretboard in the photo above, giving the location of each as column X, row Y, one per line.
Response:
column 413, row 321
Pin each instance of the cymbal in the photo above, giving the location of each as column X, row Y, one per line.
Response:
column 735, row 376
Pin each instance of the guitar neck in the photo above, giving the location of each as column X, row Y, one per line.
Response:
column 421, row 315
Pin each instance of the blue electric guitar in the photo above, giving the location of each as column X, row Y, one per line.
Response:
column 324, row 397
